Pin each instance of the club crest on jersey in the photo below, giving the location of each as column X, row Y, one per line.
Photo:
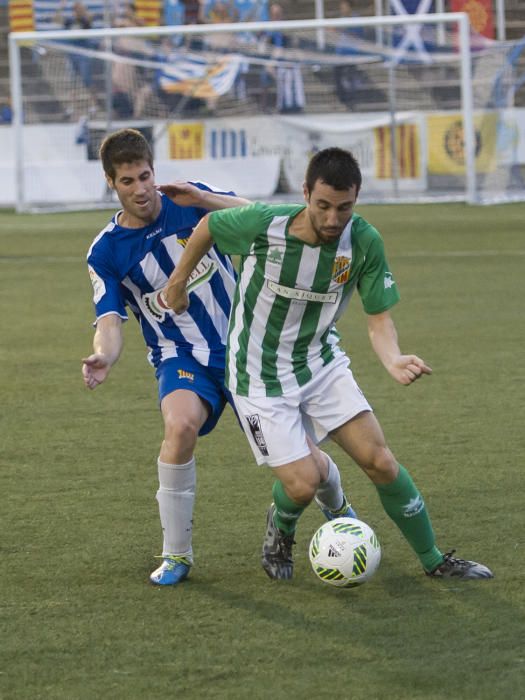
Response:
column 183, row 374
column 341, row 270
column 156, row 304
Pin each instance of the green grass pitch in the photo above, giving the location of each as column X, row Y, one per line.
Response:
column 79, row 523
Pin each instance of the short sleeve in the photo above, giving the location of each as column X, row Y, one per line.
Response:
column 234, row 230
column 376, row 286
column 107, row 294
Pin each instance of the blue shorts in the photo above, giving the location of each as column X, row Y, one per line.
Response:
column 207, row 382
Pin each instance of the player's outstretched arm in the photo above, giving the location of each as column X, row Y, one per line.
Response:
column 107, row 346
column 383, row 336
column 199, row 243
column 187, row 195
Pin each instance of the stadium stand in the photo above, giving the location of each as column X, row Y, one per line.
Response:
column 49, row 104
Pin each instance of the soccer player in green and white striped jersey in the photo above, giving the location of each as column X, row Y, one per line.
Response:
column 290, row 380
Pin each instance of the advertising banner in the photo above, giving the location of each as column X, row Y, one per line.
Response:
column 404, row 141
column 370, row 140
column 186, row 140
column 446, row 143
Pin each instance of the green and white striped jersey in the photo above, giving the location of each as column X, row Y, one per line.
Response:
column 290, row 294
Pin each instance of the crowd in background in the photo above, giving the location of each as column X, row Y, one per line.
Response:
column 280, row 80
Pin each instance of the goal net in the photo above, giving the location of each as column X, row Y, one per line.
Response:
column 430, row 114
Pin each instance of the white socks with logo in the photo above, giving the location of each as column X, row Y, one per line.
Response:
column 176, row 496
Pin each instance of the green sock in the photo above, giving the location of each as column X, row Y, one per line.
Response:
column 403, row 503
column 286, row 511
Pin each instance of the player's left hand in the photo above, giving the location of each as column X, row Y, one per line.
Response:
column 182, row 193
column 407, row 368
column 95, row 370
column 176, row 297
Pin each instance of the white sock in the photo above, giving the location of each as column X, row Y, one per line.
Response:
column 176, row 496
column 330, row 492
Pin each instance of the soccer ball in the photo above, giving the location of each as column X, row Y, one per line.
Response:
column 345, row 552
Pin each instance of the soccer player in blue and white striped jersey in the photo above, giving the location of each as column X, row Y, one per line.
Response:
column 129, row 263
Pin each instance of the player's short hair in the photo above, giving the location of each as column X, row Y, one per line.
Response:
column 124, row 146
column 335, row 167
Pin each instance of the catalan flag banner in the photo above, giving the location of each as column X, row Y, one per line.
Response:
column 406, row 140
column 480, row 13
column 151, row 12
column 446, row 143
column 196, row 78
column 187, row 140
column 21, row 17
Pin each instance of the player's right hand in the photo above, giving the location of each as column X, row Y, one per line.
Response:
column 182, row 193
column 176, row 297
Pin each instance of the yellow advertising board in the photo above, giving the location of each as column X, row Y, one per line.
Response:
column 446, row 143
column 187, row 140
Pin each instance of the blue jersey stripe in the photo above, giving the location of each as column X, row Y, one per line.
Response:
column 197, row 310
column 220, row 293
column 164, row 260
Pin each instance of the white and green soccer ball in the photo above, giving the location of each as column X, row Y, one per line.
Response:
column 345, row 552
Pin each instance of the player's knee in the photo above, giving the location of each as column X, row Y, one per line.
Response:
column 380, row 464
column 180, row 432
column 302, row 490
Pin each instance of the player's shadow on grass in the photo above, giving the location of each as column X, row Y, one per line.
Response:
column 305, row 601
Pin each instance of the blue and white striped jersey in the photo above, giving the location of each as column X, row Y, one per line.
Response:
column 129, row 267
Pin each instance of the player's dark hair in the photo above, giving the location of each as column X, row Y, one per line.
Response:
column 335, row 167
column 124, row 146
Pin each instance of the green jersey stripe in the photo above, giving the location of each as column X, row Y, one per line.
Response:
column 252, row 283
column 277, row 317
column 322, row 278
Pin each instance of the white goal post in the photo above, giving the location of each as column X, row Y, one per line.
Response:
column 338, row 128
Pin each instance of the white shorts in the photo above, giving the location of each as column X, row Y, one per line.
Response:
column 277, row 426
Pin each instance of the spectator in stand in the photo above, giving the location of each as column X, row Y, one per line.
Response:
column 287, row 78
column 79, row 18
column 131, row 16
column 175, row 15
column 130, row 84
column 124, row 85
column 251, row 11
column 178, row 12
column 348, row 78
column 220, row 12
column 194, row 14
column 193, row 11
column 6, row 113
